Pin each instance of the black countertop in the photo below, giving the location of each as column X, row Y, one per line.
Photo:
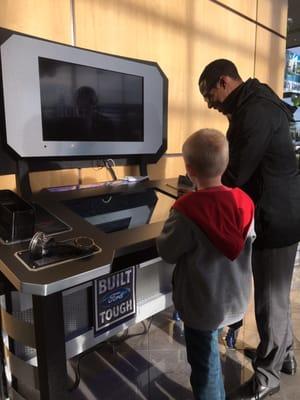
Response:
column 117, row 248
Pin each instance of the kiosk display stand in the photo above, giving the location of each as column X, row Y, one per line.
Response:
column 91, row 269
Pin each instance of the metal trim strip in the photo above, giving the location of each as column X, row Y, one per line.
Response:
column 14, row 395
column 22, row 370
column 18, row 330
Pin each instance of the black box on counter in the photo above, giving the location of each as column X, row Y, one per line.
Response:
column 17, row 217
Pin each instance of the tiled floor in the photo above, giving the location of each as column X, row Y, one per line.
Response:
column 153, row 366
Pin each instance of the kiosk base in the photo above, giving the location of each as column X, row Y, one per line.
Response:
column 60, row 326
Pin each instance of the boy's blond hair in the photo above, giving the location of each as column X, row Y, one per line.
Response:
column 206, row 151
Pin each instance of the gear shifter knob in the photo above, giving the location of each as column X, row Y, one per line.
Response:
column 42, row 245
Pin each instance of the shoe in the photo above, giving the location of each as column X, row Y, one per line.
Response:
column 289, row 365
column 176, row 316
column 231, row 337
column 252, row 390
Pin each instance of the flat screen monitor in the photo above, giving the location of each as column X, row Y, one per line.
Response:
column 63, row 101
column 81, row 103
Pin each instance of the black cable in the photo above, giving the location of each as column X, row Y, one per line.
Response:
column 122, row 339
column 109, row 166
column 76, row 369
column 126, row 336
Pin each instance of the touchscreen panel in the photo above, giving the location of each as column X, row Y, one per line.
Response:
column 121, row 211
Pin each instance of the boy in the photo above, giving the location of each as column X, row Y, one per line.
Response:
column 209, row 235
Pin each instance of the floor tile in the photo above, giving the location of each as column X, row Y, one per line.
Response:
column 153, row 365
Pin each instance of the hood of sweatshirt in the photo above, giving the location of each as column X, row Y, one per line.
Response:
column 254, row 88
column 263, row 91
column 222, row 213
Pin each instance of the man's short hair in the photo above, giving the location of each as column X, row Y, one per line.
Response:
column 213, row 71
column 206, row 151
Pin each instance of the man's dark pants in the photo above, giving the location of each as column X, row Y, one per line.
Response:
column 273, row 272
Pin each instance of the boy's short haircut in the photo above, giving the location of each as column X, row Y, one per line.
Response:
column 206, row 151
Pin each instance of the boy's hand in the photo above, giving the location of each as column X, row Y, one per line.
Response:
column 182, row 190
column 184, row 185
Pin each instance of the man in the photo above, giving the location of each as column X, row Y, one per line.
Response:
column 262, row 162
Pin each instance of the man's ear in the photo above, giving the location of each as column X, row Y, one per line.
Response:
column 223, row 81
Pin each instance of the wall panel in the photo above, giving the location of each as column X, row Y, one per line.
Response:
column 246, row 7
column 49, row 19
column 8, row 182
column 273, row 14
column 168, row 167
column 40, row 180
column 270, row 59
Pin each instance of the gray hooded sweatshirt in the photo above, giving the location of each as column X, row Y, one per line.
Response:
column 209, row 235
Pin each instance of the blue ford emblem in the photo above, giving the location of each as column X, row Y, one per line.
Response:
column 115, row 297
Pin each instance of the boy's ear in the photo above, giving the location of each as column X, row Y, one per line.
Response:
column 189, row 170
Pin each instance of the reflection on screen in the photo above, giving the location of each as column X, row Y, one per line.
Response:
column 120, row 211
column 81, row 103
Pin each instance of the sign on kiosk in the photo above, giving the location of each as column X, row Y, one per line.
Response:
column 114, row 298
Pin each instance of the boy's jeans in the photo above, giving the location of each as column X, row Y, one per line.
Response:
column 203, row 355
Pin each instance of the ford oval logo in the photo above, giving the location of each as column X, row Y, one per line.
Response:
column 116, row 297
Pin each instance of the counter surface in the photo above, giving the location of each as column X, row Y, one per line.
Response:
column 135, row 246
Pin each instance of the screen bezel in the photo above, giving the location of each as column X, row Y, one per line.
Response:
column 22, row 106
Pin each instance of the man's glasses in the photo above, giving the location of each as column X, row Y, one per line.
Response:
column 205, row 89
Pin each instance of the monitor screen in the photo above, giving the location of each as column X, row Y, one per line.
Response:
column 82, row 103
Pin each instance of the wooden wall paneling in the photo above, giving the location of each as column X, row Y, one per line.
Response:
column 246, row 7
column 270, row 59
column 128, row 27
column 273, row 14
column 167, row 167
column 8, row 182
column 49, row 19
column 44, row 179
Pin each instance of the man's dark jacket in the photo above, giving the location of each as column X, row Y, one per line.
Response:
column 262, row 162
